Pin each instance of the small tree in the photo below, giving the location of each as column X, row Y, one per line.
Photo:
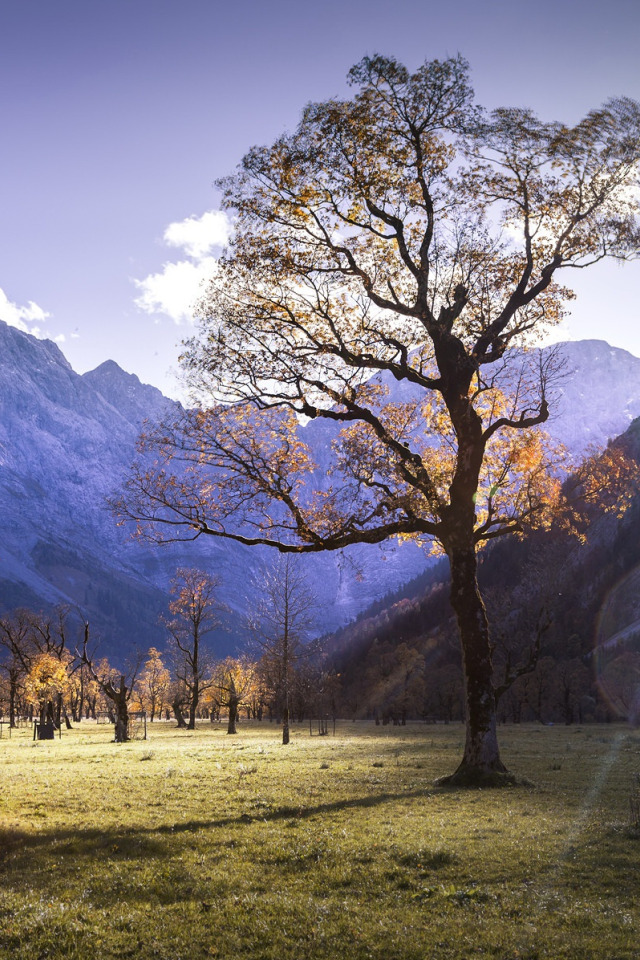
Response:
column 402, row 236
column 15, row 640
column 153, row 685
column 280, row 625
column 195, row 613
column 115, row 686
column 45, row 685
column 232, row 680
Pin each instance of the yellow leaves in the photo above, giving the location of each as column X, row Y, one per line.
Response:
column 233, row 678
column 194, row 593
column 606, row 482
column 153, row 684
column 47, row 678
column 520, row 479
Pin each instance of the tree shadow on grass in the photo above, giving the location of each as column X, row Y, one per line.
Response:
column 69, row 851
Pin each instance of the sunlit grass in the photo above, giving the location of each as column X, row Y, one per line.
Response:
column 194, row 845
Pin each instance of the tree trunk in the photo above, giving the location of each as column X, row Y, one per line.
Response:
column 13, row 695
column 122, row 713
column 233, row 715
column 46, row 729
column 193, row 705
column 57, row 720
column 177, row 710
column 481, row 761
column 81, row 697
column 121, row 734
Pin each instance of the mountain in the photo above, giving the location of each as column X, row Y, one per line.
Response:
column 66, row 442
column 564, row 614
column 598, row 396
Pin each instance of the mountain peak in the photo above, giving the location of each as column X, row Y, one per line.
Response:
column 110, row 371
column 20, row 347
column 124, row 391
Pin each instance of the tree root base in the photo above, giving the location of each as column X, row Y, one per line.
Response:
column 470, row 778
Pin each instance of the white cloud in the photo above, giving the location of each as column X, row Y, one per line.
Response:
column 24, row 318
column 198, row 235
column 175, row 290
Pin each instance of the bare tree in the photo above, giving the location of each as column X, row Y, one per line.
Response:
column 15, row 639
column 280, row 624
column 195, row 613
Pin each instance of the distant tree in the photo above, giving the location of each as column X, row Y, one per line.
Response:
column 444, row 693
column 153, row 684
column 232, row 681
column 572, row 684
column 195, row 613
column 28, row 637
column 283, row 615
column 620, row 681
column 115, row 686
column 257, row 696
column 15, row 642
column 46, row 683
column 400, row 236
column 83, row 692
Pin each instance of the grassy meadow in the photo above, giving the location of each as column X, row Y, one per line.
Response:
column 197, row 844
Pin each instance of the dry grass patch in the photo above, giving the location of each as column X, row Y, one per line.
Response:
column 194, row 845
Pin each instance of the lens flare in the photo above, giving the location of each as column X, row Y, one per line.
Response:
column 616, row 651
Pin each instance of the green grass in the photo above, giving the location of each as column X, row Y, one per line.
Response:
column 197, row 845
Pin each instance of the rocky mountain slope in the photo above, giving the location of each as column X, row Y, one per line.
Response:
column 67, row 440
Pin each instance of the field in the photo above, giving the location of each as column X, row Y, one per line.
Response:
column 199, row 845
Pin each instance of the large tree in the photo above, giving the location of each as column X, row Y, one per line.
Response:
column 403, row 236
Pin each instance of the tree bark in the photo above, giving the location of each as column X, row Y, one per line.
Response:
column 233, row 715
column 481, row 760
column 177, row 710
column 285, row 670
column 195, row 698
column 121, row 734
column 119, row 698
column 13, row 696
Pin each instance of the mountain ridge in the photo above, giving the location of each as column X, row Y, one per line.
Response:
column 67, row 440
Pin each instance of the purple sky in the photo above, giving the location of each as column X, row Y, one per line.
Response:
column 117, row 115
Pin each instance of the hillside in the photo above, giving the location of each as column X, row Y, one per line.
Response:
column 67, row 440
column 571, row 604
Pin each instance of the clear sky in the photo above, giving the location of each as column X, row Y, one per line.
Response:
column 118, row 115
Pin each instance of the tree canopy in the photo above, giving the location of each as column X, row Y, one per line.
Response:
column 402, row 237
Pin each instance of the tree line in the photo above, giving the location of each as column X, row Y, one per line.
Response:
column 51, row 676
